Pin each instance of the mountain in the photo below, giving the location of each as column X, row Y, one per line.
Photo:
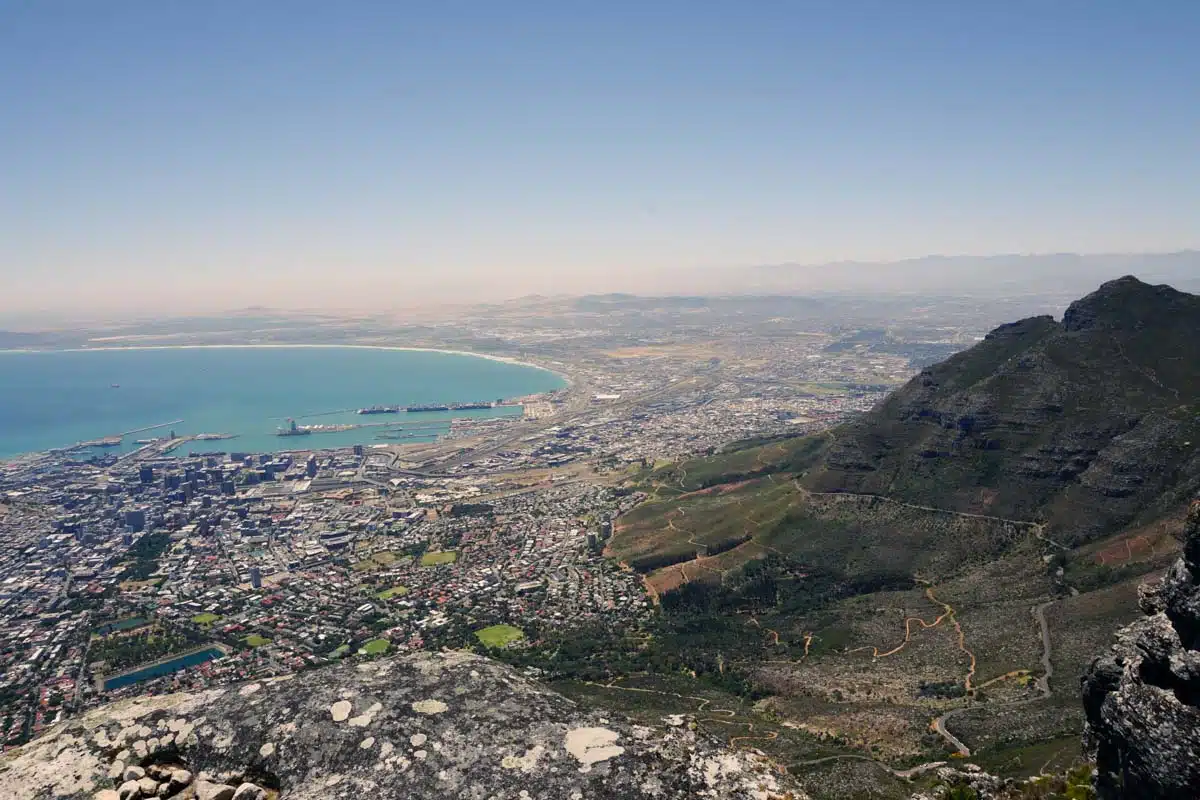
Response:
column 1081, row 427
column 423, row 725
column 1084, row 424
column 936, row 576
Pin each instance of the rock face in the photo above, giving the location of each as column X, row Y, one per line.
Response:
column 450, row 725
column 1084, row 424
column 1143, row 700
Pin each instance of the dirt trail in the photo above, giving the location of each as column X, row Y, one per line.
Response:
column 1042, row 684
column 947, row 614
column 1038, row 528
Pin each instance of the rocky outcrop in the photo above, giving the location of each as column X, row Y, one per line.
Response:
column 1143, row 699
column 449, row 725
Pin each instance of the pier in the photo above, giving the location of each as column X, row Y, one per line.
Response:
column 150, row 428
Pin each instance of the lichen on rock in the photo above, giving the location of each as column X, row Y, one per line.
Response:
column 497, row 735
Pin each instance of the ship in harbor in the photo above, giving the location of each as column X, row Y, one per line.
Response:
column 379, row 410
column 292, row 430
column 449, row 407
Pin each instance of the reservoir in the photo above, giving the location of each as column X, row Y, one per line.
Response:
column 162, row 668
column 56, row 399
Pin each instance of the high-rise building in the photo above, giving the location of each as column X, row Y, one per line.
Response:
column 256, row 577
column 135, row 519
column 146, row 475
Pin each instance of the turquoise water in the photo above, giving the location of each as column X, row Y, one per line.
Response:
column 164, row 668
column 55, row 399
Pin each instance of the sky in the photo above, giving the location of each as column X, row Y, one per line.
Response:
column 172, row 155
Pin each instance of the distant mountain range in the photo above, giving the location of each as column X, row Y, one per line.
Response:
column 1008, row 275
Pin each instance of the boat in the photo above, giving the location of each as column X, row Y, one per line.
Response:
column 449, row 407
column 292, row 430
column 379, row 410
column 114, row 386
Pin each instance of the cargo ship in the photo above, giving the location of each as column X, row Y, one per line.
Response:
column 292, row 430
column 448, row 407
column 379, row 410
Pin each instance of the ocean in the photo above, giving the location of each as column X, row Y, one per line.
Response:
column 56, row 399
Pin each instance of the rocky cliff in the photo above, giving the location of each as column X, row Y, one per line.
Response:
column 1086, row 424
column 449, row 725
column 1143, row 699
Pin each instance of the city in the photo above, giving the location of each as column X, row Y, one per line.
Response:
column 147, row 571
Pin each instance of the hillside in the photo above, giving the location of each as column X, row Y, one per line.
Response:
column 1085, row 424
column 1080, row 428
column 936, row 576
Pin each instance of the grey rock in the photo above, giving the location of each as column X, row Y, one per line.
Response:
column 129, row 790
column 106, row 794
column 148, row 787
column 1142, row 700
column 179, row 778
column 250, row 791
column 452, row 725
column 213, row 791
column 134, row 773
column 160, row 772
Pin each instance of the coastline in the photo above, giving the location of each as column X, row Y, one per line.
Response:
column 103, row 348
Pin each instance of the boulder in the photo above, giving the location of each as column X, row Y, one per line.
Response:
column 250, row 791
column 213, row 791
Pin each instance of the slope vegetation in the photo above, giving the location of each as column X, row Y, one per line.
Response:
column 927, row 580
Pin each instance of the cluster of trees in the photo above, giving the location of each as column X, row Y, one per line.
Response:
column 146, row 552
column 128, row 649
column 702, row 630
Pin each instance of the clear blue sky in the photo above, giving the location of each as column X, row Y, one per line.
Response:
column 367, row 153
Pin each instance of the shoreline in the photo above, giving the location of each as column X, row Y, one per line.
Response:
column 110, row 348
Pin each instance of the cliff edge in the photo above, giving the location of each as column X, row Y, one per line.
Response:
column 1143, row 699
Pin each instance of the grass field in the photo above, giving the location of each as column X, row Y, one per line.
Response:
column 205, row 619
column 375, row 647
column 499, row 635
column 254, row 640
column 375, row 561
column 436, row 558
column 395, row 591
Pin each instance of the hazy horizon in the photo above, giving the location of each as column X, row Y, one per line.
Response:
column 179, row 158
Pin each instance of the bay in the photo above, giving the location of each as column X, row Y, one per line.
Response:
column 56, row 399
